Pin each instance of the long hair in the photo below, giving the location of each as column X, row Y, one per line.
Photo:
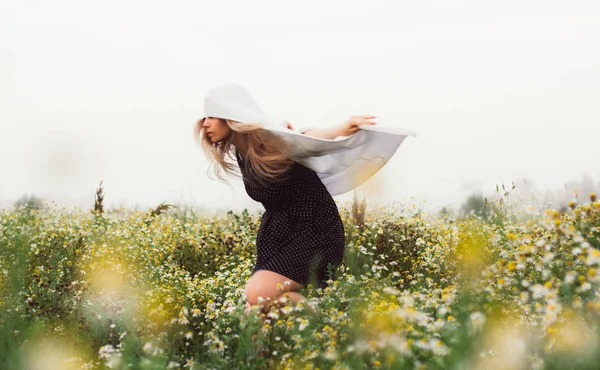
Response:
column 267, row 157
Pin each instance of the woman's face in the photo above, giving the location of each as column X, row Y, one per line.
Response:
column 216, row 129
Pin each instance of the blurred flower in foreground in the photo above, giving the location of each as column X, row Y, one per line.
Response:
column 471, row 253
column 504, row 346
column 54, row 353
column 571, row 334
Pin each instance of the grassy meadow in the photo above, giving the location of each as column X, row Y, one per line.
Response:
column 163, row 289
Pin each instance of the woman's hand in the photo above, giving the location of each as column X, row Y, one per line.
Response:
column 352, row 125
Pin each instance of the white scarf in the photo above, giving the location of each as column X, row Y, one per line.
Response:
column 342, row 163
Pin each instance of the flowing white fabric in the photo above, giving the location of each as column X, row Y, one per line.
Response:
column 342, row 163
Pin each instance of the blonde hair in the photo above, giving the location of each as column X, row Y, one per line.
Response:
column 267, row 156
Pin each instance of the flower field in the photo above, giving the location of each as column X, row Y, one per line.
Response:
column 142, row 290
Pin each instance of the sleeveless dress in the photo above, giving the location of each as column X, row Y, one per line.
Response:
column 301, row 235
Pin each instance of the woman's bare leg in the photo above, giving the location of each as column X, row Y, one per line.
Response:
column 271, row 286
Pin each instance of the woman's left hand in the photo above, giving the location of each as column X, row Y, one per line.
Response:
column 352, row 125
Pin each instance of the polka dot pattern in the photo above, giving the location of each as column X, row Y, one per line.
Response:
column 301, row 234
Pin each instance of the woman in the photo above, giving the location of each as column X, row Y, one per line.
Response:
column 301, row 237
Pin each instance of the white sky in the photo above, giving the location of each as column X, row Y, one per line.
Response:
column 109, row 90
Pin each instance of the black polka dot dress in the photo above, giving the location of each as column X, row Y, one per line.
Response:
column 301, row 235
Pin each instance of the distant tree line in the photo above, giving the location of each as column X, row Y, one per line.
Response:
column 525, row 192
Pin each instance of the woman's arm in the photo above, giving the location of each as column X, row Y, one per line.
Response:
column 324, row 133
column 345, row 129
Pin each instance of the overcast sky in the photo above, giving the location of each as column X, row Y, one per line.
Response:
column 109, row 90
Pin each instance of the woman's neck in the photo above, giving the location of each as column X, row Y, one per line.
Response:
column 240, row 143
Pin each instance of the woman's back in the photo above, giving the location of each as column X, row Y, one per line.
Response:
column 301, row 225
